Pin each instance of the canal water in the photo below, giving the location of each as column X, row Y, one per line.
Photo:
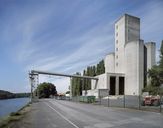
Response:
column 12, row 105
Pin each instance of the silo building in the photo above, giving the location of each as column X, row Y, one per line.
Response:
column 126, row 68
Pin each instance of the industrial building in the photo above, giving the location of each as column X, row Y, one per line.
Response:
column 126, row 68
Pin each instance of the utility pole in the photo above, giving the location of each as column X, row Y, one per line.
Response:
column 31, row 84
column 70, row 87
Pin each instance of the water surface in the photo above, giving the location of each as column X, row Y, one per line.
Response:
column 12, row 105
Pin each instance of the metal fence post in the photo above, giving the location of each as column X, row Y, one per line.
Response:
column 139, row 101
column 108, row 99
column 99, row 97
column 124, row 104
column 160, row 103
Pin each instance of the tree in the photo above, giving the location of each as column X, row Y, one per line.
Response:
column 94, row 70
column 46, row 89
column 76, row 86
column 6, row 94
column 161, row 56
column 85, row 80
column 161, row 63
column 153, row 90
column 77, row 83
column 154, row 74
column 100, row 68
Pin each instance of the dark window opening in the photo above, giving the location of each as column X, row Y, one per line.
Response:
column 121, row 85
column 112, row 85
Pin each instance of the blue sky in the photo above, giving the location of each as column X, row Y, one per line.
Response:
column 65, row 35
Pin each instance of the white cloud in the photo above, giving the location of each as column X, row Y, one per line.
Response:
column 41, row 41
column 92, row 45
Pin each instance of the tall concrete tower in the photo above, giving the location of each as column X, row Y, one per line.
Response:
column 127, row 29
column 134, row 67
column 150, row 53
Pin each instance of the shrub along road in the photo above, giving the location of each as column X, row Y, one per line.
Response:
column 50, row 113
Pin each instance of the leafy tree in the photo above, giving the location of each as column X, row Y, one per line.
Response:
column 20, row 95
column 76, row 86
column 94, row 70
column 6, row 94
column 161, row 63
column 154, row 74
column 77, row 83
column 153, row 90
column 161, row 55
column 100, row 68
column 46, row 89
column 85, row 80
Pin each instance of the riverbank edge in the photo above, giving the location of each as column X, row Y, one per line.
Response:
column 15, row 116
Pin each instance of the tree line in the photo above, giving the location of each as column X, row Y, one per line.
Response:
column 79, row 84
column 9, row 95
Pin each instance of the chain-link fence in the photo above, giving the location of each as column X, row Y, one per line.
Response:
column 147, row 103
column 75, row 99
column 141, row 102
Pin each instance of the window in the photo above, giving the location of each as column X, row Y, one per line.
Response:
column 116, row 41
column 117, row 56
column 116, row 26
column 117, row 34
column 117, row 64
column 116, row 49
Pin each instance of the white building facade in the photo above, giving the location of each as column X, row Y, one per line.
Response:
column 126, row 68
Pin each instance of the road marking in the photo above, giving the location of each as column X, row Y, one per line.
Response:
column 62, row 116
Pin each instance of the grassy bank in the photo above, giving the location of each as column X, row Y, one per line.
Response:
column 14, row 116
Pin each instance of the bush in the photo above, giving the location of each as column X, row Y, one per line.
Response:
column 153, row 90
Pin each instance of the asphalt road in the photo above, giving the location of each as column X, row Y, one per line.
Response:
column 50, row 113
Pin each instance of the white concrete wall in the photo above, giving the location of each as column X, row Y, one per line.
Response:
column 141, row 66
column 132, row 28
column 151, row 54
column 119, row 45
column 93, row 92
column 102, row 82
column 110, row 63
column 97, row 92
column 134, row 62
column 151, row 57
column 127, row 29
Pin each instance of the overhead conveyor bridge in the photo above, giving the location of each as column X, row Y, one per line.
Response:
column 34, row 78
